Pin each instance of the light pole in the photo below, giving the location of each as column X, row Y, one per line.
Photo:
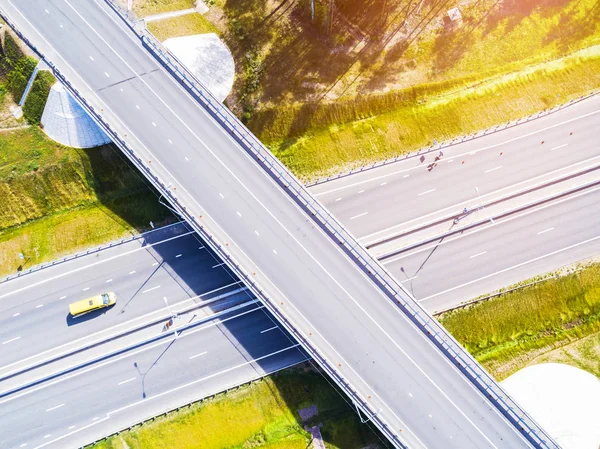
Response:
column 173, row 315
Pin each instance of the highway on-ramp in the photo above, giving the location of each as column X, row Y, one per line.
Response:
column 418, row 394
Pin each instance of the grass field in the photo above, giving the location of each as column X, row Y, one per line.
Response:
column 84, row 226
column 181, row 26
column 557, row 320
column 320, row 152
column 262, row 414
column 56, row 200
column 510, row 331
column 583, row 353
column 326, row 97
column 144, row 8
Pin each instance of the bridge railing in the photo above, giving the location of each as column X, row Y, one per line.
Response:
column 394, row 290
column 337, row 376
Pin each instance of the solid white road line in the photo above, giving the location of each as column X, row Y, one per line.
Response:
column 493, row 169
column 103, row 333
column 559, row 147
column 290, row 234
column 461, row 204
column 126, row 381
column 485, row 228
column 535, row 259
column 426, row 192
column 477, row 255
column 269, row 329
column 359, row 215
column 54, row 408
column 151, row 289
column 198, row 355
column 545, row 230
column 282, row 226
column 409, row 279
column 109, row 259
column 11, row 340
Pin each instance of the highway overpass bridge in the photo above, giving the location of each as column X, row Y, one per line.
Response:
column 397, row 365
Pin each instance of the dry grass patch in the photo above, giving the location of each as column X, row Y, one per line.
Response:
column 181, row 26
column 143, row 8
column 321, row 144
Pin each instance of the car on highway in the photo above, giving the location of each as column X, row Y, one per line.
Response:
column 94, row 303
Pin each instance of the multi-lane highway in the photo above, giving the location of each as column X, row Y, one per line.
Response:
column 554, row 234
column 325, row 297
column 142, row 383
column 167, row 263
column 382, row 202
column 383, row 199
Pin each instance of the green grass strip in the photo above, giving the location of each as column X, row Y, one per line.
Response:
column 506, row 332
column 263, row 414
column 324, row 151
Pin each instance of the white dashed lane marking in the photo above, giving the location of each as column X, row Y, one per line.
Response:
column 478, row 254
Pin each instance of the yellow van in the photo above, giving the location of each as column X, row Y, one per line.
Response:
column 93, row 303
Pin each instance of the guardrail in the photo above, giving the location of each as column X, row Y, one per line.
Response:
column 87, row 252
column 208, row 238
column 395, row 291
column 454, row 141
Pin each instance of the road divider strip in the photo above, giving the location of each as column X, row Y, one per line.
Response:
column 162, row 314
column 454, row 216
column 126, row 349
column 485, row 220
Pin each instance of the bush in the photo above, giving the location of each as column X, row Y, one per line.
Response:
column 11, row 54
column 36, row 100
column 16, row 67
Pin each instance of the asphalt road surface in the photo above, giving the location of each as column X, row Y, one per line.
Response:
column 117, row 392
column 389, row 363
column 519, row 247
column 380, row 202
column 168, row 263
